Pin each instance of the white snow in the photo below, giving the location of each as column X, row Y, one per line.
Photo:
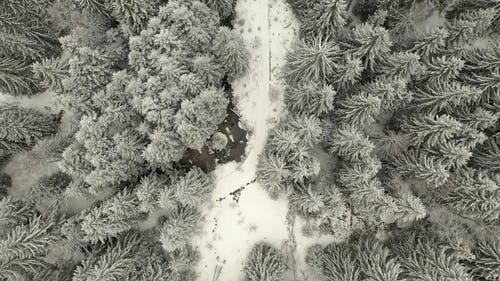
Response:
column 232, row 226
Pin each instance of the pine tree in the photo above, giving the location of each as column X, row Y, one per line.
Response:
column 431, row 130
column 264, row 263
column 325, row 18
column 421, row 166
column 410, row 209
column 451, row 154
column 478, row 118
column 230, row 50
column 16, row 77
column 192, row 189
column 359, row 109
column 470, row 25
column 48, row 193
column 148, row 191
column 304, row 168
column 482, row 59
column 207, row 68
column 92, row 6
column 369, row 199
column 371, row 43
column 310, row 98
column 197, row 119
column 350, row 143
column 23, row 249
column 377, row 263
column 116, row 262
column 178, row 227
column 390, row 144
column 448, row 96
column 114, row 216
column 22, row 128
column 314, row 60
column 430, row 42
column 444, row 69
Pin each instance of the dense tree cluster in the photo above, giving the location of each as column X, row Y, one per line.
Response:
column 142, row 82
column 402, row 123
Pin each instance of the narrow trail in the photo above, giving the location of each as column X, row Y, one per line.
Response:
column 240, row 212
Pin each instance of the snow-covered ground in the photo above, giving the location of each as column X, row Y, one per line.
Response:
column 235, row 221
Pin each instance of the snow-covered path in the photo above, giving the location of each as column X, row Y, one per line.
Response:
column 235, row 222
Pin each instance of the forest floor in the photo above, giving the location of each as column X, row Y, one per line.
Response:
column 241, row 213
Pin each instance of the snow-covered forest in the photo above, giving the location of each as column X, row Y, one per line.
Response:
column 249, row 140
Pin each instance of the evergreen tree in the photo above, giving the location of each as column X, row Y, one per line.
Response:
column 5, row 183
column 410, row 209
column 24, row 248
column 164, row 148
column 13, row 213
column 350, row 143
column 192, row 189
column 473, row 195
column 115, row 263
column 264, row 263
column 423, row 167
column 310, row 98
column 51, row 72
column 376, row 262
column 230, row 50
column 307, row 201
column 371, row 43
column 430, row 42
column 113, row 217
column 325, row 18
column 21, row 128
column 48, row 193
column 487, row 262
column 177, row 228
column 392, row 92
column 349, row 72
column 306, row 128
column 223, row 7
column 403, row 65
column 452, row 155
column 358, row 172
column 470, row 25
column 444, row 69
column 369, row 199
column 431, row 130
column 273, row 173
column 148, row 191
column 478, row 118
column 338, row 263
column 313, row 60
column 198, row 118
column 16, row 77
column 359, row 110
column 482, row 59
column 448, row 96
column 133, row 13
column 487, row 156
column 304, row 168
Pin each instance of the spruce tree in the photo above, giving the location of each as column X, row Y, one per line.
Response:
column 16, row 77
column 264, row 263
column 452, row 154
column 359, row 109
column 223, row 7
column 177, row 228
column 21, row 128
column 306, row 128
column 307, row 201
column 430, row 42
column 13, row 212
column 348, row 72
column 444, row 69
column 371, row 43
column 164, row 148
column 114, row 216
column 230, row 50
column 435, row 98
column 487, row 156
column 273, row 173
column 23, row 249
column 325, row 18
column 198, row 118
column 350, row 143
column 313, row 60
column 50, row 73
column 421, row 166
column 478, row 118
column 133, row 13
column 410, row 209
column 193, row 188
column 310, row 98
column 431, row 130
column 337, row 262
column 392, row 92
column 377, row 263
column 403, row 65
column 487, row 262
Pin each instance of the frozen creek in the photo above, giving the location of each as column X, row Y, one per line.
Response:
column 240, row 213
